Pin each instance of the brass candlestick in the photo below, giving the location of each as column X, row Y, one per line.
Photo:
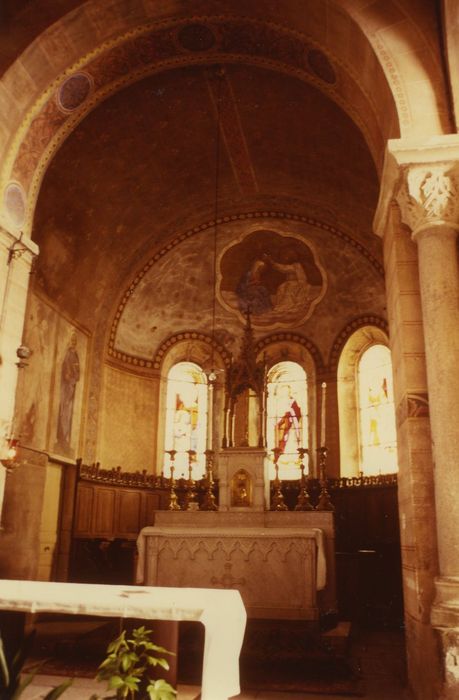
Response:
column 191, row 496
column 324, row 502
column 277, row 502
column 208, row 502
column 173, row 504
column 303, row 502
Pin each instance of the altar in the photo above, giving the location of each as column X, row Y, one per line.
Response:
column 281, row 563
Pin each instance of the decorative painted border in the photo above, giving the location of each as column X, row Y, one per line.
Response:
column 285, row 336
column 166, row 345
column 342, row 337
column 190, row 335
column 151, row 48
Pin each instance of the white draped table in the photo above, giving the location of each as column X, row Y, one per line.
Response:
column 278, row 571
column 220, row 611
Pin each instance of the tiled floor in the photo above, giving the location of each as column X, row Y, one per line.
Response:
column 379, row 654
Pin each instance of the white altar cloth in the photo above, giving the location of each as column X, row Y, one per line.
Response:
column 220, row 611
column 316, row 533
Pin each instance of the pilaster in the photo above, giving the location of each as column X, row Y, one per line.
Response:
column 419, row 195
column 16, row 257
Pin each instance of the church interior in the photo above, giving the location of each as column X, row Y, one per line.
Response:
column 229, row 308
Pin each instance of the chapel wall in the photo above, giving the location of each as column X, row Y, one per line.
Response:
column 52, row 386
column 128, row 431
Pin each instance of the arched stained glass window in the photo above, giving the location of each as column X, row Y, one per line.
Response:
column 287, row 416
column 186, row 418
column 378, row 442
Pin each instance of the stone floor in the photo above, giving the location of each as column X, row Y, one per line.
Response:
column 378, row 654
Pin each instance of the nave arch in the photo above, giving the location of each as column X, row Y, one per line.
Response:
column 392, row 80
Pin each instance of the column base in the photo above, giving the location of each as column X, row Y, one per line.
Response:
column 445, row 610
column 445, row 618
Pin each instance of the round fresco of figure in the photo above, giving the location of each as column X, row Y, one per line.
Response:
column 276, row 278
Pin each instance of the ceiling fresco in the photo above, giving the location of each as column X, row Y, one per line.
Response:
column 174, row 294
column 139, row 173
column 276, row 280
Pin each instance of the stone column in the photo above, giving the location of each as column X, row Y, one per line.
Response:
column 429, row 203
column 16, row 257
column 427, row 193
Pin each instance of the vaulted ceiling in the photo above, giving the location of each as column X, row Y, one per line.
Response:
column 141, row 169
column 114, row 166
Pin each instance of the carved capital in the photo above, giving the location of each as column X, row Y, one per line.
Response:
column 428, row 196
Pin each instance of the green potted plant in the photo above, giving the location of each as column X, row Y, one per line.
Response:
column 13, row 681
column 130, row 667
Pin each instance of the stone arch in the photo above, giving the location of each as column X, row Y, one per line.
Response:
column 188, row 345
column 359, row 339
column 361, row 322
column 121, row 61
column 411, row 62
column 451, row 33
column 289, row 346
column 110, row 27
column 292, row 347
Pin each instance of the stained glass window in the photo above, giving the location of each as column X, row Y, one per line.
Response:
column 287, row 416
column 378, row 442
column 186, row 419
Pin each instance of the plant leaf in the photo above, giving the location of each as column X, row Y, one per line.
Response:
column 116, row 682
column 20, row 687
column 161, row 690
column 161, row 650
column 4, row 666
column 126, row 662
column 21, row 654
column 57, row 692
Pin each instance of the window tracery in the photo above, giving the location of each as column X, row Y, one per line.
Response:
column 377, row 432
column 287, row 416
column 186, row 418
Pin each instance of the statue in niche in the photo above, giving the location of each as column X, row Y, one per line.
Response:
column 245, row 384
column 70, row 375
column 241, row 489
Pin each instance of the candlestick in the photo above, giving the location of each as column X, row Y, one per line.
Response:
column 322, row 417
column 191, row 500
column 210, row 414
column 303, row 502
column 173, row 503
column 208, row 502
column 277, row 502
column 324, row 502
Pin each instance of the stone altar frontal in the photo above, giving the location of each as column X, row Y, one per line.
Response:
column 281, row 563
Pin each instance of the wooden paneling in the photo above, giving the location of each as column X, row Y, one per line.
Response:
column 108, row 519
column 151, row 502
column 84, row 509
column 104, row 512
column 112, row 511
column 129, row 512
